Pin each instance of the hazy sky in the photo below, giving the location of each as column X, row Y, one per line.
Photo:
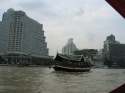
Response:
column 87, row 21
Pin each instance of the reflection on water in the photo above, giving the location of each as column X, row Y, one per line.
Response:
column 45, row 80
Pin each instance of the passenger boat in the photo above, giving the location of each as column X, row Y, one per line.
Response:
column 71, row 63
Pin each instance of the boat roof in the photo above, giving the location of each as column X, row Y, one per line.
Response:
column 71, row 57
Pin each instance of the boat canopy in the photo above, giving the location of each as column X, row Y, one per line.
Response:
column 76, row 58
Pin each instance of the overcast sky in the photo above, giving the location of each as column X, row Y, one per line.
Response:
column 87, row 21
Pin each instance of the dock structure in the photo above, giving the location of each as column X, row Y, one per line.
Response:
column 22, row 59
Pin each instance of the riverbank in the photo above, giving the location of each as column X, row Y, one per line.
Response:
column 15, row 65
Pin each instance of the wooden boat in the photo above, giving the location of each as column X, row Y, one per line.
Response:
column 71, row 64
column 69, row 69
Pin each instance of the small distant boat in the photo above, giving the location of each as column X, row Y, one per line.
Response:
column 71, row 63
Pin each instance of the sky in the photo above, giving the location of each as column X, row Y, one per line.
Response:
column 88, row 22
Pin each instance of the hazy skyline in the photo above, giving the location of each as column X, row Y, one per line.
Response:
column 87, row 21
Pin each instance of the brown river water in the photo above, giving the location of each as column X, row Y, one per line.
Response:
column 45, row 80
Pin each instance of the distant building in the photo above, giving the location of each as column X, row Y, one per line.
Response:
column 69, row 48
column 90, row 54
column 98, row 59
column 114, row 52
column 109, row 40
column 86, row 52
column 21, row 35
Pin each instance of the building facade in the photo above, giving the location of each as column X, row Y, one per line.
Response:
column 20, row 34
column 69, row 48
column 114, row 52
column 109, row 41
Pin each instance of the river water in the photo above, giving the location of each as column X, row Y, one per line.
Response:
column 45, row 80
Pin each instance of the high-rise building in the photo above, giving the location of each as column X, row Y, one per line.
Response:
column 69, row 48
column 113, row 52
column 109, row 40
column 20, row 34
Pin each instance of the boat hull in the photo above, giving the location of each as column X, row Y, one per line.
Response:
column 69, row 69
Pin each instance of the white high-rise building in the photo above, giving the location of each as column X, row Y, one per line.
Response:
column 21, row 35
column 69, row 48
